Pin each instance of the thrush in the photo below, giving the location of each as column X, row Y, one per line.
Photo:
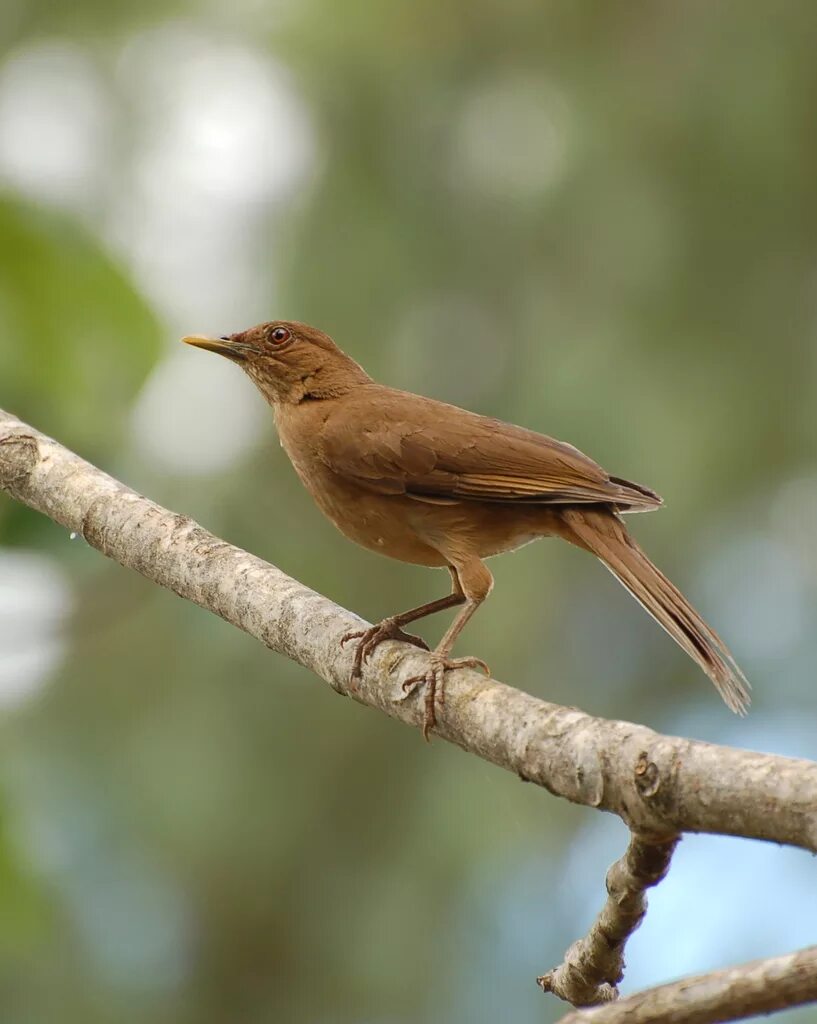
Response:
column 432, row 484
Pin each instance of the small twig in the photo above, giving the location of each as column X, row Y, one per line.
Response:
column 593, row 966
column 763, row 986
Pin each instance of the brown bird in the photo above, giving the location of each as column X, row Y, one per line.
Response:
column 432, row 484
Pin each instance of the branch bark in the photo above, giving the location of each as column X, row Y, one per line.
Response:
column 763, row 986
column 593, row 967
column 659, row 785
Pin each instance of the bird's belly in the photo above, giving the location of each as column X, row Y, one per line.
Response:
column 499, row 528
column 432, row 534
column 508, row 541
column 379, row 529
column 419, row 532
column 379, row 522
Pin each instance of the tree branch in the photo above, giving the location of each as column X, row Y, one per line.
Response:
column 762, row 986
column 659, row 785
column 593, row 966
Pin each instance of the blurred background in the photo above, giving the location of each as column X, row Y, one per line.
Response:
column 596, row 220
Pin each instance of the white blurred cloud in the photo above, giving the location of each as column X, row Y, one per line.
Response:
column 221, row 139
column 793, row 515
column 221, row 136
column 35, row 599
column 55, row 124
column 197, row 414
column 219, row 118
column 757, row 591
column 513, row 137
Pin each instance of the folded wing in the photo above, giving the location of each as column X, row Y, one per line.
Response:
column 394, row 443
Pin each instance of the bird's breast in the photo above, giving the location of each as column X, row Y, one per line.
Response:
column 378, row 522
column 405, row 528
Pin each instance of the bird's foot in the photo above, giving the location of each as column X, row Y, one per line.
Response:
column 368, row 640
column 434, row 681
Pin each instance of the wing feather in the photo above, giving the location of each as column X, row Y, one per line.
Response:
column 391, row 442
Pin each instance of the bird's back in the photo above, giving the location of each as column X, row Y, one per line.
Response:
column 399, row 442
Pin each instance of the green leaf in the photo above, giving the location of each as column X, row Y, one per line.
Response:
column 76, row 338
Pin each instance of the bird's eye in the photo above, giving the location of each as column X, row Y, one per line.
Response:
column 280, row 335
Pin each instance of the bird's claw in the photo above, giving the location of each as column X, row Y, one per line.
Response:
column 434, row 681
column 369, row 639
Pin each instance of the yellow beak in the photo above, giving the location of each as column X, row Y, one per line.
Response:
column 223, row 346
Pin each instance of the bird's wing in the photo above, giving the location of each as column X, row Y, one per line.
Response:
column 392, row 442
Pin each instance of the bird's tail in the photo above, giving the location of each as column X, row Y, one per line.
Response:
column 602, row 533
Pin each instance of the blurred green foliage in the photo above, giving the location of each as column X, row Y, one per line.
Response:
column 78, row 338
column 79, row 362
column 597, row 220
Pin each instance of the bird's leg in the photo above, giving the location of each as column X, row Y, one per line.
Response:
column 476, row 582
column 390, row 628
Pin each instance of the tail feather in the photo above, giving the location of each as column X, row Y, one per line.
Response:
column 602, row 533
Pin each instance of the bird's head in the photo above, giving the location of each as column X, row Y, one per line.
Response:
column 288, row 361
